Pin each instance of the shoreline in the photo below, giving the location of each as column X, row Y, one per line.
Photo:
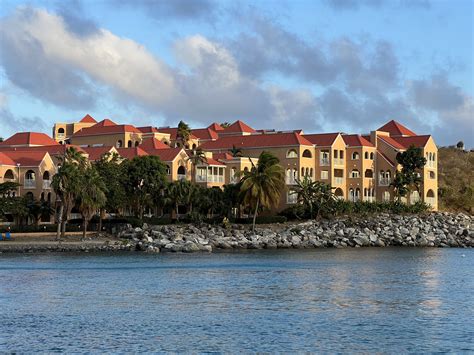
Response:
column 436, row 229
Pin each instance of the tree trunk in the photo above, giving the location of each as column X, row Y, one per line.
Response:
column 177, row 212
column 84, row 225
column 255, row 217
column 99, row 228
column 60, row 221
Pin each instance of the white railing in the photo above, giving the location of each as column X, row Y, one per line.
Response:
column 201, row 178
column 290, row 181
column 384, row 181
column 339, row 180
column 324, row 162
column 210, row 178
column 181, row 176
column 430, row 201
column 338, row 161
column 46, row 184
column 369, row 198
column 30, row 184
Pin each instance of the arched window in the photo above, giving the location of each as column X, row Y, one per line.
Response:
column 414, row 197
column 181, row 170
column 302, row 172
column 178, row 145
column 432, row 175
column 129, row 144
column 372, row 156
column 246, row 169
column 357, row 194
column 295, row 174
column 46, row 175
column 168, row 170
column 430, row 193
column 49, row 197
column 386, row 196
column 351, row 195
column 42, row 196
column 355, row 156
column 166, row 142
column 355, row 174
column 9, row 175
column 194, row 146
column 186, row 146
column 61, row 131
column 291, row 154
column 365, row 192
column 311, row 172
column 307, row 154
column 137, row 143
column 369, row 173
column 288, row 176
column 119, row 144
column 339, row 193
column 366, row 155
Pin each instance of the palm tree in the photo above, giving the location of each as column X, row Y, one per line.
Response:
column 183, row 133
column 196, row 158
column 306, row 190
column 38, row 209
column 180, row 193
column 91, row 197
column 236, row 152
column 263, row 184
column 66, row 184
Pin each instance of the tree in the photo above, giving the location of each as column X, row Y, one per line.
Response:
column 66, row 184
column 412, row 161
column 236, row 152
column 232, row 198
column 180, row 193
column 91, row 196
column 145, row 177
column 196, row 158
column 7, row 187
column 460, row 145
column 38, row 209
column 109, row 169
column 183, row 133
column 1, row 139
column 225, row 124
column 262, row 184
column 315, row 196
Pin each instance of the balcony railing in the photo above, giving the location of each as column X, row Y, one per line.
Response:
column 338, row 180
column 46, row 184
column 201, row 178
column 384, row 181
column 338, row 161
column 30, row 184
column 430, row 201
column 210, row 178
column 290, row 180
column 324, row 162
column 181, row 176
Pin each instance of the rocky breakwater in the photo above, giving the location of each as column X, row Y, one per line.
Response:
column 430, row 230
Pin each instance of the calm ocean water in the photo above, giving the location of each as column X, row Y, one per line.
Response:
column 351, row 300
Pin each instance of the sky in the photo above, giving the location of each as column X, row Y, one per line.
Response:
column 321, row 66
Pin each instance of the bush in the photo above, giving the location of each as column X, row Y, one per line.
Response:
column 293, row 212
column 261, row 220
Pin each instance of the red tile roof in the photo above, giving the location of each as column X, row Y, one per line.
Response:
column 355, row 140
column 28, row 138
column 417, row 141
column 95, row 153
column 239, row 127
column 173, row 132
column 216, row 127
column 167, row 154
column 130, row 153
column 396, row 129
column 88, row 119
column 26, row 158
column 152, row 144
column 391, row 141
column 106, row 127
column 222, row 156
column 205, row 134
column 321, row 139
column 148, row 129
column 6, row 160
column 257, row 141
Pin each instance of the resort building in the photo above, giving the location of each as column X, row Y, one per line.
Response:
column 358, row 167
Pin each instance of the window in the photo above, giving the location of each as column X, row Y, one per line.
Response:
column 341, row 154
column 292, row 154
column 61, row 131
column 324, row 175
column 119, row 144
column 9, row 175
column 355, row 174
column 368, row 173
column 168, row 170
column 372, row 156
column 291, row 197
column 336, row 154
column 307, row 154
column 432, row 175
column 386, row 196
column 129, row 144
column 355, row 156
column 366, row 155
column 137, row 143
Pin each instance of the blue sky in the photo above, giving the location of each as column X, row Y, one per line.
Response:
column 329, row 65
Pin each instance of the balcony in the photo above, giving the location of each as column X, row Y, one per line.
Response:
column 290, row 181
column 384, row 181
column 338, row 180
column 46, row 184
column 210, row 178
column 338, row 161
column 324, row 162
column 181, row 176
column 30, row 184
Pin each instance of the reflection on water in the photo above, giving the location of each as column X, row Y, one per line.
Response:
column 358, row 300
